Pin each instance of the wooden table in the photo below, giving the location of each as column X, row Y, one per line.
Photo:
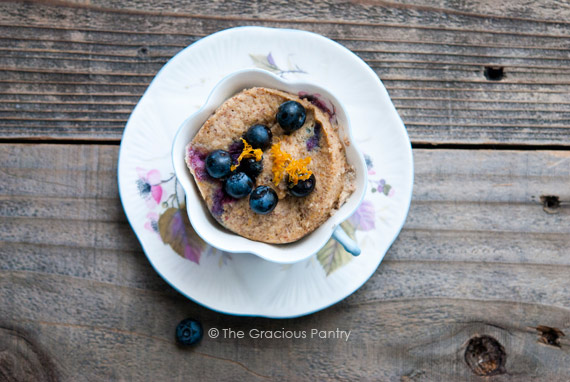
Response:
column 478, row 282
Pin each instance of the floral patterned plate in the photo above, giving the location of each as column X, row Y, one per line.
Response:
column 244, row 284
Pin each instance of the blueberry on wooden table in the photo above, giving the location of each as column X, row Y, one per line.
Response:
column 291, row 116
column 258, row 136
column 189, row 332
column 218, row 164
column 263, row 200
column 238, row 185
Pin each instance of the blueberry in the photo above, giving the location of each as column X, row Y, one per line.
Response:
column 303, row 187
column 291, row 116
column 189, row 332
column 218, row 164
column 251, row 167
column 258, row 136
column 238, row 185
column 263, row 200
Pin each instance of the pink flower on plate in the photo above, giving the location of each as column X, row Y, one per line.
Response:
column 149, row 187
column 363, row 218
column 151, row 222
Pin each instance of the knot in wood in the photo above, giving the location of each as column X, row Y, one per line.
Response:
column 22, row 359
column 549, row 336
column 550, row 203
column 143, row 52
column 485, row 356
column 494, row 73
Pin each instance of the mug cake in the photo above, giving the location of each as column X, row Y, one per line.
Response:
column 270, row 165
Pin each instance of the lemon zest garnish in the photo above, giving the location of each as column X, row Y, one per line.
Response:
column 297, row 170
column 280, row 160
column 283, row 163
column 247, row 152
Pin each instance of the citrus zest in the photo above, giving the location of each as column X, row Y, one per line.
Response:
column 280, row 161
column 297, row 170
column 283, row 163
column 247, row 152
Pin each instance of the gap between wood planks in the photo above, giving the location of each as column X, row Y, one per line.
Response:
column 415, row 145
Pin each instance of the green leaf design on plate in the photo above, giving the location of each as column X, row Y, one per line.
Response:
column 333, row 256
column 175, row 230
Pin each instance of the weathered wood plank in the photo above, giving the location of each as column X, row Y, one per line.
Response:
column 477, row 256
column 60, row 60
column 422, row 339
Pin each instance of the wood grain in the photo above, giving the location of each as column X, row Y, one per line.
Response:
column 478, row 256
column 75, row 69
column 476, row 283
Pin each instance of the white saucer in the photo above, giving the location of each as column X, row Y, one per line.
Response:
column 244, row 284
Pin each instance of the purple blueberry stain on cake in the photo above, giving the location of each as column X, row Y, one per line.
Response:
column 219, row 199
column 235, row 150
column 320, row 102
column 313, row 141
column 197, row 161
